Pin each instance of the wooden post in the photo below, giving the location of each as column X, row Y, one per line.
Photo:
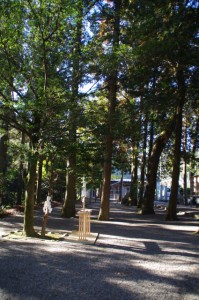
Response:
column 43, row 231
column 84, row 224
column 46, row 209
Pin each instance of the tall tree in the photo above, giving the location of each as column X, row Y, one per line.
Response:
column 185, row 161
column 70, row 195
column 32, row 51
column 182, row 68
column 172, row 207
column 112, row 83
column 20, row 182
column 143, row 164
column 194, row 146
column 159, row 144
column 134, row 175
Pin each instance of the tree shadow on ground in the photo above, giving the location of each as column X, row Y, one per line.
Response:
column 143, row 258
column 57, row 270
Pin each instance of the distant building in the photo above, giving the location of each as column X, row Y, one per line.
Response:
column 162, row 193
column 116, row 186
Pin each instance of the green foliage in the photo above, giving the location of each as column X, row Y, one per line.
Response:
column 8, row 188
column 43, row 65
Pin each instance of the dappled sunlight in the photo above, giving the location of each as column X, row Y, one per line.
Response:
column 181, row 224
column 168, row 278
column 113, row 222
column 179, row 227
column 128, row 266
column 146, row 287
column 9, row 295
column 171, row 269
column 130, row 255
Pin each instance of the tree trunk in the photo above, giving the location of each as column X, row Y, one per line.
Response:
column 134, row 177
column 143, row 166
column 112, row 97
column 185, row 164
column 20, row 182
column 121, row 186
column 43, row 229
column 193, row 161
column 68, row 209
column 172, row 207
column 151, row 138
column 160, row 142
column 28, row 228
column 104, row 209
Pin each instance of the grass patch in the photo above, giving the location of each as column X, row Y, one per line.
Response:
column 53, row 236
column 196, row 232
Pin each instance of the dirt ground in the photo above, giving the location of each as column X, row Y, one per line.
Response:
column 131, row 257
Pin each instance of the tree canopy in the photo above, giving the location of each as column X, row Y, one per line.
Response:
column 87, row 86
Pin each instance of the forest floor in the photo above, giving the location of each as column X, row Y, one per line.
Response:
column 130, row 257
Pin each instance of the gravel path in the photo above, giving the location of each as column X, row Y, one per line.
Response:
column 134, row 257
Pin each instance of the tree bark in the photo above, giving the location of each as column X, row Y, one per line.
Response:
column 112, row 97
column 134, row 177
column 68, row 209
column 121, row 186
column 185, row 164
column 28, row 228
column 172, row 207
column 104, row 209
column 151, row 138
column 143, row 166
column 160, row 142
column 193, row 162
column 20, row 182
